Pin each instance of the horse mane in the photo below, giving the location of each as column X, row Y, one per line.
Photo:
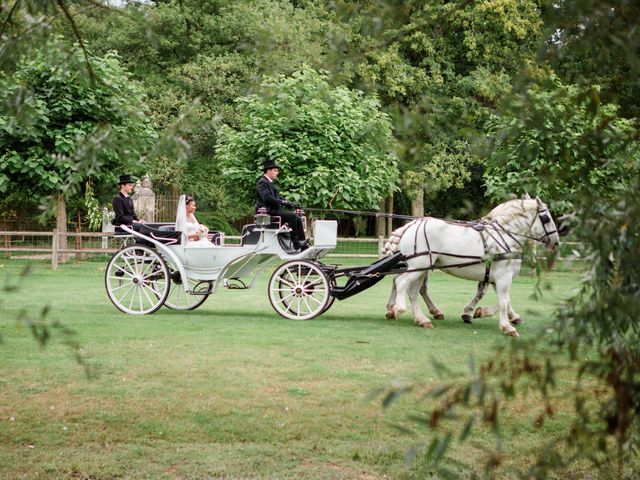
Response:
column 509, row 210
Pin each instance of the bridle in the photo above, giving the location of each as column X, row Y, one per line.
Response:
column 545, row 217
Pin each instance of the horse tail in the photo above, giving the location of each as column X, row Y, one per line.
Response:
column 392, row 245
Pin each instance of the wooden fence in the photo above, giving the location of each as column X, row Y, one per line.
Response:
column 45, row 245
column 81, row 245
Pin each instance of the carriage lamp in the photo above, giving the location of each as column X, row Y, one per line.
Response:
column 263, row 219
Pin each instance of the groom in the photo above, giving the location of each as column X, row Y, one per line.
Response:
column 267, row 197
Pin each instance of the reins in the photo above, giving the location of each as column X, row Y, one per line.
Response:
column 363, row 213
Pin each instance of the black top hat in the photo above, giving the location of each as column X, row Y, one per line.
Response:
column 268, row 165
column 126, row 179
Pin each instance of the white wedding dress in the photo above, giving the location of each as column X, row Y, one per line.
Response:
column 189, row 228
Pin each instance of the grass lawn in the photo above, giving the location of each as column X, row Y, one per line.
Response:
column 231, row 390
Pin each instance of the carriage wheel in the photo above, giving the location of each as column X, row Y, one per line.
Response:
column 179, row 300
column 137, row 280
column 299, row 290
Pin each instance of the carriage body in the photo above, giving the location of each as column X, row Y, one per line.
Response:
column 163, row 269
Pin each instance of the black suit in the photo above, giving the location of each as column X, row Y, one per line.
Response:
column 267, row 197
column 124, row 210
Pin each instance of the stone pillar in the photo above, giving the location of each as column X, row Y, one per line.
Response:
column 107, row 226
column 144, row 200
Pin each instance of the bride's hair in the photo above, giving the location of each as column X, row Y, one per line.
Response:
column 188, row 199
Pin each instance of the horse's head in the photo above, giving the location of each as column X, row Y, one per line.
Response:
column 543, row 228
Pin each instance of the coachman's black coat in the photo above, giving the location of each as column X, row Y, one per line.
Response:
column 124, row 210
column 267, row 197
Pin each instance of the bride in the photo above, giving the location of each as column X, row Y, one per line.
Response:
column 186, row 222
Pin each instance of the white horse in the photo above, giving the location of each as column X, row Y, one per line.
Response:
column 489, row 252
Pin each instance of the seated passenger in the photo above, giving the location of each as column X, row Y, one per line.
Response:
column 123, row 205
column 187, row 223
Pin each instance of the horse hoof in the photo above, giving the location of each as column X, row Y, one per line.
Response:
column 517, row 321
column 439, row 316
column 466, row 318
column 477, row 313
column 513, row 334
column 425, row 324
column 390, row 315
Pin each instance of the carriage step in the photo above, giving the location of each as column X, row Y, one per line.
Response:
column 201, row 292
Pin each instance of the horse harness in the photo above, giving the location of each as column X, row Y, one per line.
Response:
column 491, row 229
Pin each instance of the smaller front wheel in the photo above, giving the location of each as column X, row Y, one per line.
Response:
column 299, row 290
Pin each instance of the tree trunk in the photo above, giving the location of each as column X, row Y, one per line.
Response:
column 390, row 211
column 61, row 225
column 380, row 221
column 417, row 204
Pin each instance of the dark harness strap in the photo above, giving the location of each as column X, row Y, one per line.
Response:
column 479, row 227
column 487, row 268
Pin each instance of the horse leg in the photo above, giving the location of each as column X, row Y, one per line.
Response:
column 469, row 307
column 403, row 282
column 503, row 286
column 413, row 290
column 514, row 317
column 433, row 308
column 392, row 299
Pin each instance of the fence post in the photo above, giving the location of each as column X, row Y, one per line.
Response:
column 54, row 250
column 7, row 244
column 380, row 245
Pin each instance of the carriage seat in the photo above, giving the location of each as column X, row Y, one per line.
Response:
column 162, row 236
column 251, row 236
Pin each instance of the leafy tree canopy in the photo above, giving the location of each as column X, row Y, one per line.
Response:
column 333, row 144
column 439, row 68
column 52, row 116
column 555, row 129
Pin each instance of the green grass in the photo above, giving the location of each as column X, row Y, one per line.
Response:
column 231, row 390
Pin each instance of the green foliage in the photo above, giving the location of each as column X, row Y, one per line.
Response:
column 94, row 213
column 214, row 52
column 562, row 141
column 596, row 42
column 57, row 126
column 439, row 67
column 556, row 140
column 333, row 144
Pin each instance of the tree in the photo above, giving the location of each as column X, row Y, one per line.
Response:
column 439, row 69
column 213, row 51
column 334, row 144
column 552, row 129
column 53, row 116
column 562, row 139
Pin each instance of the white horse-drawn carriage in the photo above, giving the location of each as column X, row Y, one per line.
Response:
column 156, row 266
column 161, row 268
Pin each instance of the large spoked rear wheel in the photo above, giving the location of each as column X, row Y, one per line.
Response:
column 179, row 300
column 137, row 280
column 299, row 290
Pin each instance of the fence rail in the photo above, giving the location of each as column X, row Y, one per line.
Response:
column 62, row 246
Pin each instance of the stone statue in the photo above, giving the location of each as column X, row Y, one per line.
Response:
column 144, row 200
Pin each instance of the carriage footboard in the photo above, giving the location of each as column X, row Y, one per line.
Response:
column 361, row 279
